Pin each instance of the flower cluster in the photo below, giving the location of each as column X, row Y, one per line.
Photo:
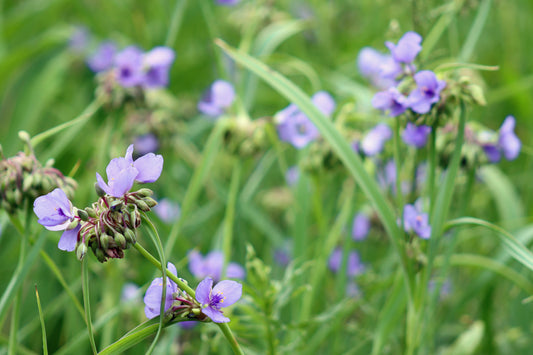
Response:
column 131, row 66
column 109, row 226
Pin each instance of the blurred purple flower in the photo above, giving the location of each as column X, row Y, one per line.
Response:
column 211, row 265
column 374, row 141
column 407, row 48
column 167, row 210
column 292, row 175
column 427, row 91
column 296, row 128
column 415, row 220
column 445, row 287
column 122, row 172
column 157, row 64
column 129, row 67
column 146, row 143
column 352, row 290
column 217, row 98
column 508, row 141
column 416, row 136
column 386, row 176
column 390, row 100
column 79, row 40
column 152, row 298
column 282, row 256
column 188, row 324
column 104, row 57
column 353, row 267
column 360, row 226
column 224, row 294
column 130, row 293
column 227, row 2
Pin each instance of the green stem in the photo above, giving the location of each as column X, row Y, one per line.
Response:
column 229, row 219
column 175, row 22
column 87, row 302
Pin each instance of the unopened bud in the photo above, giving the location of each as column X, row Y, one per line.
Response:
column 27, row 182
column 144, row 192
column 120, row 240
column 83, row 215
column 99, row 191
column 24, row 136
column 150, row 201
column 104, row 241
column 91, row 212
column 100, row 255
column 142, row 205
column 81, row 250
column 130, row 236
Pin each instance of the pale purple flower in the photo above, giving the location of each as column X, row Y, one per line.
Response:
column 416, row 136
column 217, row 98
column 352, row 290
column 386, row 176
column 156, row 65
column 292, row 175
column 374, row 141
column 69, row 239
column 445, row 287
column 167, row 210
column 360, row 226
column 390, row 100
column 130, row 293
column 152, row 298
column 508, row 141
column 122, row 172
column 212, row 299
column 129, row 67
column 104, row 57
column 227, row 2
column 146, row 143
column 296, row 128
column 282, row 256
column 407, row 48
column 354, row 266
column 416, row 221
column 426, row 93
column 211, row 266
column 80, row 39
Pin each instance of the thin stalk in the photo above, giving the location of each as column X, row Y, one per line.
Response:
column 43, row 326
column 229, row 218
column 175, row 23
column 87, row 303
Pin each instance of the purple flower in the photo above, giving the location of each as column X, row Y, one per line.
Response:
column 130, row 293
column 147, row 143
column 157, row 64
column 353, row 267
column 414, row 220
column 296, row 128
column 292, row 175
column 508, row 141
column 129, row 67
column 374, row 141
column 217, row 98
column 390, row 100
column 228, row 2
column 360, row 226
column 152, row 298
column 427, row 91
column 416, row 136
column 79, row 39
column 225, row 293
column 103, row 58
column 211, row 266
column 282, row 256
column 122, row 172
column 386, row 176
column 167, row 210
column 407, row 48
column 69, row 239
column 380, row 68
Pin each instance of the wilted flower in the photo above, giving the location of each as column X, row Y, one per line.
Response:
column 296, row 128
column 211, row 266
column 416, row 136
column 427, row 91
column 167, row 210
column 104, row 57
column 415, row 220
column 217, row 98
column 407, row 48
column 360, row 226
column 353, row 266
column 225, row 293
column 152, row 298
column 374, row 141
column 390, row 100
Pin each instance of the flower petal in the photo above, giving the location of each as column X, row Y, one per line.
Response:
column 203, row 290
column 149, row 167
column 69, row 239
column 230, row 290
column 215, row 315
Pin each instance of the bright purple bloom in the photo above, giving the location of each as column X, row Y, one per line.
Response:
column 129, row 67
column 390, row 100
column 296, row 128
column 407, row 48
column 416, row 136
column 147, row 143
column 211, row 266
column 374, row 141
column 217, row 98
column 508, row 141
column 354, row 265
column 225, row 293
column 167, row 210
column 122, row 172
column 360, row 226
column 157, row 64
column 427, row 91
column 152, row 298
column 414, row 220
column 104, row 57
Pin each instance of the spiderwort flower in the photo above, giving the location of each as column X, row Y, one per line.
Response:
column 167, row 210
column 416, row 136
column 414, row 220
column 157, row 64
column 211, row 266
column 380, row 68
column 104, row 57
column 146, row 143
column 296, row 128
column 122, row 172
column 225, row 293
column 407, row 48
column 427, row 91
column 508, row 141
column 390, row 100
column 360, row 226
column 354, row 266
column 228, row 2
column 374, row 141
column 217, row 98
column 129, row 67
column 152, row 298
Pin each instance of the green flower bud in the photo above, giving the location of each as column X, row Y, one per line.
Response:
column 27, row 182
column 142, row 205
column 99, row 191
column 150, row 201
column 81, row 251
column 144, row 192
column 91, row 212
column 100, row 255
column 83, row 215
column 130, row 236
column 104, row 241
column 120, row 240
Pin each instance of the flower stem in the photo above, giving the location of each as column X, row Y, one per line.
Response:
column 229, row 218
column 87, row 302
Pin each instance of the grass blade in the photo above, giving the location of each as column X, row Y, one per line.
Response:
column 43, row 326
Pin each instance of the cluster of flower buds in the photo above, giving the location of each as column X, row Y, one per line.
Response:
column 246, row 138
column 23, row 178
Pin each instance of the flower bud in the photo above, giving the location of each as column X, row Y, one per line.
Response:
column 142, row 205
column 83, row 215
column 81, row 250
column 100, row 255
column 130, row 236
column 104, row 241
column 99, row 190
column 91, row 212
column 150, row 201
column 120, row 240
column 27, row 182
column 144, row 192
